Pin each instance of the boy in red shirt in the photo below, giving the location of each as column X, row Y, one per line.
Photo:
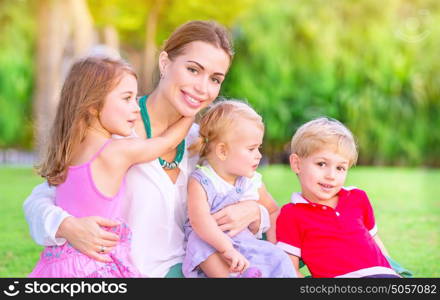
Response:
column 330, row 227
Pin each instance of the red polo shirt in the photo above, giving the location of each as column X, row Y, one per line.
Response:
column 333, row 242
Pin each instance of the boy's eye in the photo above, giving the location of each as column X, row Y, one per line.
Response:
column 321, row 163
column 340, row 168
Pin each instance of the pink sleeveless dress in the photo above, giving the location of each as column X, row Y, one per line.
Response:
column 79, row 196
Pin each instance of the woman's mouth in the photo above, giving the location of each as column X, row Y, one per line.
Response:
column 192, row 101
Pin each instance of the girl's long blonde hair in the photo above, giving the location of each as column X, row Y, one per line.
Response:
column 83, row 93
column 221, row 119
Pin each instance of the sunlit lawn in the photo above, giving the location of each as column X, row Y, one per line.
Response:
column 406, row 203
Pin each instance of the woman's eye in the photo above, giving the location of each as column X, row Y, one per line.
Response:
column 192, row 70
column 216, row 80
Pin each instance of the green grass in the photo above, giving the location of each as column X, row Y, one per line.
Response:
column 406, row 203
column 18, row 253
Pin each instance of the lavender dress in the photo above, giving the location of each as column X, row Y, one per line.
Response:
column 271, row 260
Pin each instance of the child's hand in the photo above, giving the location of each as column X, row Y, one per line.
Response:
column 177, row 132
column 185, row 122
column 237, row 262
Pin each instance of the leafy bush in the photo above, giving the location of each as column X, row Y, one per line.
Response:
column 16, row 73
column 371, row 64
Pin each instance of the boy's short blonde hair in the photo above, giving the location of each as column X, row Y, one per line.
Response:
column 322, row 133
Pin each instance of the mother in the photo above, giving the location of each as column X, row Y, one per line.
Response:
column 192, row 66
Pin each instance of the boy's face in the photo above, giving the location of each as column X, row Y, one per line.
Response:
column 321, row 174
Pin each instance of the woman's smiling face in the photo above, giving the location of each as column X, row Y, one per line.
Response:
column 192, row 80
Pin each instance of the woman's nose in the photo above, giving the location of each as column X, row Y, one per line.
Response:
column 201, row 85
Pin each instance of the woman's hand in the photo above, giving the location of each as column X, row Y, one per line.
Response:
column 87, row 236
column 236, row 261
column 238, row 216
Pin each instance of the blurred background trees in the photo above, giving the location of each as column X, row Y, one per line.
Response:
column 371, row 64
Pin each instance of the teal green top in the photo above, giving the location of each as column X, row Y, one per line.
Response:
column 146, row 119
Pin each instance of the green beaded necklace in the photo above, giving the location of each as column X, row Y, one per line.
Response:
column 146, row 119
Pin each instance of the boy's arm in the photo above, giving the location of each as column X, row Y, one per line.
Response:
column 295, row 261
column 202, row 221
column 370, row 222
column 381, row 245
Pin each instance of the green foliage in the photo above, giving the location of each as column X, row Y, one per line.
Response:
column 16, row 73
column 130, row 19
column 226, row 12
column 362, row 62
column 372, row 64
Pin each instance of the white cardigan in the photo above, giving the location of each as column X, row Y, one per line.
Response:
column 153, row 199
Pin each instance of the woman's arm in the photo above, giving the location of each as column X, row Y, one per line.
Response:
column 237, row 217
column 50, row 225
column 87, row 236
column 244, row 214
column 43, row 217
column 269, row 203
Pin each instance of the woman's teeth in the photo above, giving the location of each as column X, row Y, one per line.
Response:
column 192, row 100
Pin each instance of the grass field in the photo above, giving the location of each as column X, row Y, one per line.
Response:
column 406, row 203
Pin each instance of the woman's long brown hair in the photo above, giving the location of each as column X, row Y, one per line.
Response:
column 88, row 83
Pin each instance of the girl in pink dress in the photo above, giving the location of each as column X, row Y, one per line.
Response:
column 98, row 100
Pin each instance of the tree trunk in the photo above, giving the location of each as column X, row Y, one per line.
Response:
column 111, row 38
column 149, row 58
column 65, row 33
column 82, row 30
column 51, row 38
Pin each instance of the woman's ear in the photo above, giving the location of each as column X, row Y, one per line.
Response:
column 294, row 162
column 221, row 150
column 164, row 60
